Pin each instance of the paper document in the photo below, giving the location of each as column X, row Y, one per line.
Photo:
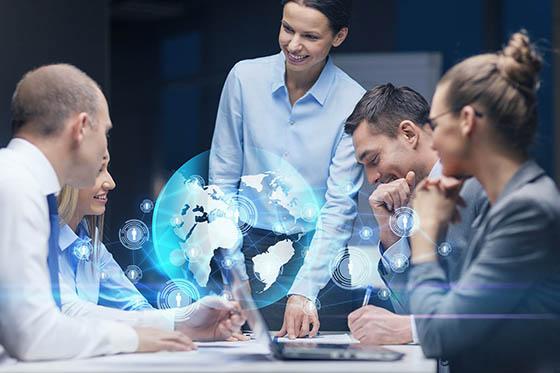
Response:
column 323, row 338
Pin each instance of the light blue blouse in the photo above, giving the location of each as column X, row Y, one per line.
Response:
column 255, row 114
column 94, row 276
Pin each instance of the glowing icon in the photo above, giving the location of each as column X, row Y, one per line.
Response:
column 399, row 263
column 146, row 206
column 178, row 298
column 243, row 212
column 444, row 249
column 366, row 233
column 403, row 222
column 133, row 273
column 177, row 258
column 179, row 293
column 193, row 254
column 176, row 221
column 351, row 268
column 134, row 234
column 227, row 262
column 383, row 294
column 82, row 251
column 227, row 295
column 309, row 213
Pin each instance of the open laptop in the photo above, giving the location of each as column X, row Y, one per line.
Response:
column 295, row 350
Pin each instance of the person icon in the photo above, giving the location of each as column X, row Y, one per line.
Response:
column 178, row 299
column 146, row 206
column 366, row 233
column 84, row 251
column 134, row 234
column 132, row 274
column 383, row 294
column 405, row 223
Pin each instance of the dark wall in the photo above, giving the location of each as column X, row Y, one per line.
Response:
column 163, row 76
column 34, row 33
column 166, row 79
column 167, row 76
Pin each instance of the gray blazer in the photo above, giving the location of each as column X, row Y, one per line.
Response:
column 503, row 313
column 458, row 236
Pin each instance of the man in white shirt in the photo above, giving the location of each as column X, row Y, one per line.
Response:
column 393, row 140
column 60, row 121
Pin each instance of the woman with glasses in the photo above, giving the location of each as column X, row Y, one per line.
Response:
column 502, row 314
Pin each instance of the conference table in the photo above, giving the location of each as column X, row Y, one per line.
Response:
column 249, row 356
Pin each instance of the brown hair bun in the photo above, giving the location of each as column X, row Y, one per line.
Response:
column 520, row 63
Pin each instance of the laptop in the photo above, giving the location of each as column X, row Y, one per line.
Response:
column 294, row 350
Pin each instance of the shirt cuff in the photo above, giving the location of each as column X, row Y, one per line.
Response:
column 398, row 249
column 159, row 319
column 306, row 288
column 123, row 338
column 415, row 338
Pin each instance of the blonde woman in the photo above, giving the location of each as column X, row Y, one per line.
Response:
column 93, row 284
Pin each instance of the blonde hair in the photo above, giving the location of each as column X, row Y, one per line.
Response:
column 67, row 205
column 505, row 84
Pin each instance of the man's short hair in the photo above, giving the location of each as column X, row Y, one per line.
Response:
column 45, row 97
column 384, row 107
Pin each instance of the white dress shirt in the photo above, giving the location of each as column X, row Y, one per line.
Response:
column 85, row 292
column 31, row 325
column 402, row 248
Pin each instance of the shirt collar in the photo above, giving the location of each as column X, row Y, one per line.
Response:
column 67, row 237
column 37, row 163
column 320, row 90
column 437, row 170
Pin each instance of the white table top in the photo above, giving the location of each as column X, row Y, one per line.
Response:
column 227, row 357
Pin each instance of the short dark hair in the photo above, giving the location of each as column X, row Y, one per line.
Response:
column 45, row 97
column 385, row 107
column 337, row 11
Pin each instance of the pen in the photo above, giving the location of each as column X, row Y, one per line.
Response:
column 367, row 295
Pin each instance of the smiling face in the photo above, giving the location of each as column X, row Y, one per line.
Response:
column 92, row 201
column 306, row 37
column 386, row 158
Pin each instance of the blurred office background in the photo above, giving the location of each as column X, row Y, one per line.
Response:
column 162, row 65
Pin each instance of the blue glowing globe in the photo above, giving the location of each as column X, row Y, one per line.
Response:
column 199, row 229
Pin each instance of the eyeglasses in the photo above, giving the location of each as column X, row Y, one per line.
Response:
column 432, row 121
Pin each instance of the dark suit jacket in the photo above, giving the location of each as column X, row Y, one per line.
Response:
column 457, row 236
column 503, row 313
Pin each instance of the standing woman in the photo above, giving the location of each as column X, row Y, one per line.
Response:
column 293, row 105
column 503, row 314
